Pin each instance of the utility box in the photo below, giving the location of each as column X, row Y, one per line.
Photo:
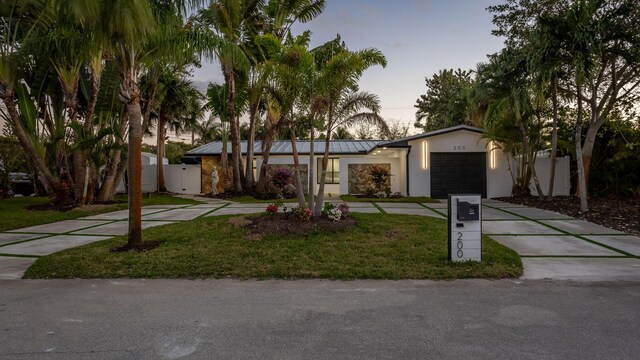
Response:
column 465, row 228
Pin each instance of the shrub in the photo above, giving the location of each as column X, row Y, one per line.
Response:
column 301, row 213
column 273, row 208
column 281, row 177
column 327, row 207
column 334, row 214
column 381, row 194
column 344, row 209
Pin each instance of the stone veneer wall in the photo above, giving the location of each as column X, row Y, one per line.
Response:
column 359, row 177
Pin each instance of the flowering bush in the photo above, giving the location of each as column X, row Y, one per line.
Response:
column 334, row 214
column 301, row 213
column 281, row 177
column 344, row 209
column 273, row 208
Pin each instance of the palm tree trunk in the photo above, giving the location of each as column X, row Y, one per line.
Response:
column 296, row 170
column 60, row 195
column 323, row 174
column 312, row 164
column 235, row 128
column 85, row 166
column 530, row 154
column 325, row 162
column 253, row 119
column 554, row 140
column 162, row 124
column 267, row 143
column 135, row 171
column 582, row 184
column 114, row 171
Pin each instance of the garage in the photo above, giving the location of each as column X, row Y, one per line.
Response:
column 458, row 173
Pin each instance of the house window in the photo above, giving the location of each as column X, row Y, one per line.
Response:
column 333, row 171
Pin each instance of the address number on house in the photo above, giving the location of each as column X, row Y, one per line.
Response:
column 459, row 147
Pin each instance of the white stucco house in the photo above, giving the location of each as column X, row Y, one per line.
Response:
column 454, row 160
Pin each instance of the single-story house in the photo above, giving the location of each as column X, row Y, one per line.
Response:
column 437, row 163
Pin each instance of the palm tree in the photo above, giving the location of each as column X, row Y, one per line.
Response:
column 23, row 23
column 231, row 20
column 179, row 109
column 342, row 133
column 337, row 83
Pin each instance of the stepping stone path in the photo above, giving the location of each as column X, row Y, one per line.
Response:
column 551, row 245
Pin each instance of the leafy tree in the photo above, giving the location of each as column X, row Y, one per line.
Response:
column 596, row 44
column 446, row 102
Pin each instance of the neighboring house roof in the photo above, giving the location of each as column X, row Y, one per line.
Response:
column 283, row 147
column 405, row 141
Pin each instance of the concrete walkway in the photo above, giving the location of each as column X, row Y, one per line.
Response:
column 551, row 245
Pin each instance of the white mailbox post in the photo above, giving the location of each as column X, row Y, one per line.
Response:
column 465, row 228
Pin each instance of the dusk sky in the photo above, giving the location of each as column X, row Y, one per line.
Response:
column 418, row 38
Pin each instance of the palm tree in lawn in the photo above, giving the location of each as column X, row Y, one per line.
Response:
column 337, row 83
column 135, row 33
column 179, row 110
column 232, row 21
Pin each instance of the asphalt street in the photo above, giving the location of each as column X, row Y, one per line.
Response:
column 231, row 319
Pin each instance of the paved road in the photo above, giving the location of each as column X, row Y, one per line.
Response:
column 228, row 319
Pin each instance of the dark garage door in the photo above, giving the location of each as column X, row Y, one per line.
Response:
column 458, row 173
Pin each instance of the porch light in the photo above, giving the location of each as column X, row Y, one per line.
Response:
column 425, row 155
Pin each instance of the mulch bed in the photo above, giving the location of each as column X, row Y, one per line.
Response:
column 621, row 214
column 280, row 224
column 51, row 207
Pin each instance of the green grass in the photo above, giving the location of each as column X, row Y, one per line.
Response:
column 378, row 247
column 14, row 215
column 408, row 199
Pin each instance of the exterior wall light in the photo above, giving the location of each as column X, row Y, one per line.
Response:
column 425, row 155
column 492, row 154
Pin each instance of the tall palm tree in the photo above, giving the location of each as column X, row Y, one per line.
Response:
column 337, row 83
column 231, row 20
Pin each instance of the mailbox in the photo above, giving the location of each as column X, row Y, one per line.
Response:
column 465, row 228
column 467, row 211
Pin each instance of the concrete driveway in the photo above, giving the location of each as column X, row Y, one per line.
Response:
column 551, row 245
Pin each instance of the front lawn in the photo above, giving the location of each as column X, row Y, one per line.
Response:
column 380, row 246
column 14, row 213
column 408, row 199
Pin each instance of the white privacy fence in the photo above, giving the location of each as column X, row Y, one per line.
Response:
column 179, row 179
column 562, row 179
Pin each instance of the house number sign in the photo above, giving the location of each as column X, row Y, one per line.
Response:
column 465, row 228
column 459, row 147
